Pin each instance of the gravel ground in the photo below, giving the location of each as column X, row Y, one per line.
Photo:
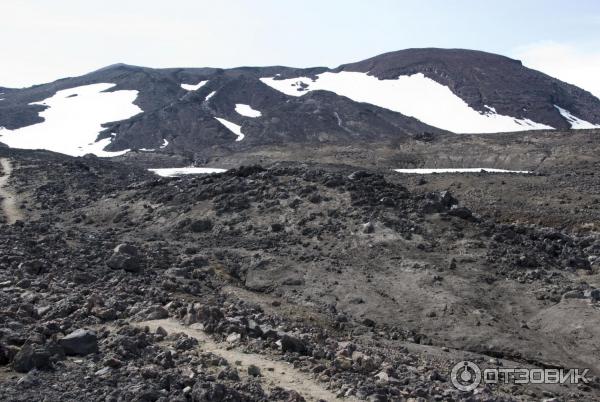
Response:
column 118, row 285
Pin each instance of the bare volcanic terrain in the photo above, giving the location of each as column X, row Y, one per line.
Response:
column 319, row 264
column 328, row 278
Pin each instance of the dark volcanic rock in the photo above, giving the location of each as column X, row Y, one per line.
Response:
column 125, row 257
column 31, row 356
column 201, row 225
column 291, row 343
column 80, row 342
column 33, row 267
column 211, row 392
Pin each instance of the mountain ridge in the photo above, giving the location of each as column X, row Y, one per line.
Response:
column 483, row 87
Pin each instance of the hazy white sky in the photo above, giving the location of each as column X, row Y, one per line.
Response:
column 43, row 40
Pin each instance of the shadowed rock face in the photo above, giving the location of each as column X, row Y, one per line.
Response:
column 186, row 119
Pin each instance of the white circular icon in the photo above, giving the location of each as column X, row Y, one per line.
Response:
column 465, row 376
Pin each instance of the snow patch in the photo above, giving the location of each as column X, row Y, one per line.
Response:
column 459, row 170
column 246, row 110
column 234, row 128
column 164, row 144
column 210, row 95
column 412, row 95
column 190, row 87
column 72, row 123
column 574, row 121
column 172, row 172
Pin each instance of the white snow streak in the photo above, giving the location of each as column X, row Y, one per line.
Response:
column 172, row 172
column 234, row 128
column 246, row 110
column 164, row 144
column 574, row 121
column 73, row 120
column 459, row 170
column 210, row 95
column 414, row 95
column 190, row 87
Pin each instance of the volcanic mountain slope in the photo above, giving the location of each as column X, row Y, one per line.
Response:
column 390, row 97
column 191, row 123
column 371, row 288
column 484, row 79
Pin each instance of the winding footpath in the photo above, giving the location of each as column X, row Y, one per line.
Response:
column 8, row 199
column 273, row 372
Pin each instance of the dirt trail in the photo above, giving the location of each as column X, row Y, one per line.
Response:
column 9, row 200
column 274, row 373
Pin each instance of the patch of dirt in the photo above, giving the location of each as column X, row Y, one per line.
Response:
column 11, row 211
column 273, row 372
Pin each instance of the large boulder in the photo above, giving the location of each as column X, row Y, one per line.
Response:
column 460, row 212
column 32, row 267
column 201, row 225
column 80, row 342
column 30, row 357
column 290, row 343
column 156, row 313
column 593, row 294
column 438, row 202
column 125, row 257
column 5, row 355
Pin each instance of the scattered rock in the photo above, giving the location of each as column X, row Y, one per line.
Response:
column 254, row 371
column 33, row 267
column 30, row 357
column 156, row 313
column 80, row 342
column 201, row 226
column 291, row 343
column 125, row 257
column 574, row 294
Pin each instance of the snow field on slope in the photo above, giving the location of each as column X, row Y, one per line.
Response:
column 190, row 87
column 210, row 95
column 73, row 119
column 458, row 170
column 246, row 110
column 172, row 172
column 414, row 95
column 234, row 128
column 575, row 122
